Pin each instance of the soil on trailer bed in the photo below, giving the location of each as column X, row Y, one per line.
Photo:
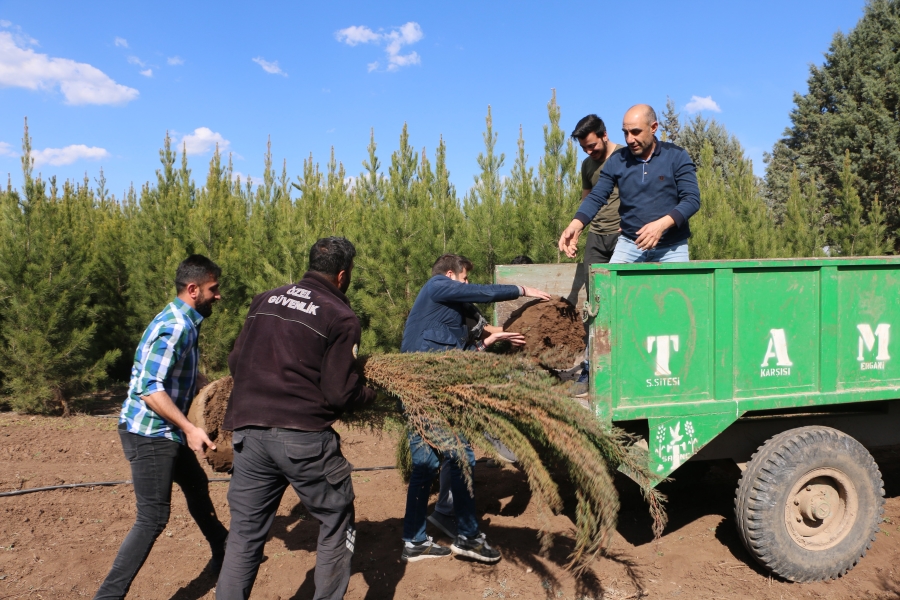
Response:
column 554, row 325
column 60, row 544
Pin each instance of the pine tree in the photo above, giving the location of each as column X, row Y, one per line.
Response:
column 520, row 191
column 394, row 258
column 733, row 221
column 558, row 190
column 489, row 218
column 49, row 323
column 852, row 104
column 727, row 150
column 218, row 220
column 448, row 218
column 801, row 229
column 671, row 126
column 850, row 233
column 159, row 238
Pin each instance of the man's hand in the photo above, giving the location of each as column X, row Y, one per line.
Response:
column 197, row 440
column 568, row 241
column 533, row 293
column 648, row 235
column 516, row 339
column 161, row 403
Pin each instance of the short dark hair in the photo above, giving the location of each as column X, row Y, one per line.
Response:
column 197, row 269
column 522, row 259
column 589, row 124
column 331, row 255
column 451, row 262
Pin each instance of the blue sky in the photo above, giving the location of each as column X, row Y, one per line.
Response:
column 102, row 82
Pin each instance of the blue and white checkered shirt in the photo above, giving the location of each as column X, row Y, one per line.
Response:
column 166, row 360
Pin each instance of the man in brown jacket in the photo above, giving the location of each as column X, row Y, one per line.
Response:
column 294, row 369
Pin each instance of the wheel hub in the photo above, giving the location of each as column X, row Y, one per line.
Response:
column 821, row 509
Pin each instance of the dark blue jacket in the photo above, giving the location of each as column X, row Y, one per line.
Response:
column 437, row 319
column 665, row 185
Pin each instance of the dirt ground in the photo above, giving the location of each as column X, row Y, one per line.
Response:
column 60, row 544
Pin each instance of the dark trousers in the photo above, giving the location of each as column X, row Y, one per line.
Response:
column 155, row 464
column 599, row 248
column 265, row 462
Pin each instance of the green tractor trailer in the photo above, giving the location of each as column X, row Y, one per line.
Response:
column 786, row 367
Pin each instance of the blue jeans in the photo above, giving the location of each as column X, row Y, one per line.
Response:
column 628, row 252
column 425, row 464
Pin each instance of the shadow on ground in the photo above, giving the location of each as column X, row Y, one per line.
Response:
column 379, row 543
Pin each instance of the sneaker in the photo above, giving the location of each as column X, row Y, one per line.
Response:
column 427, row 549
column 585, row 372
column 580, row 390
column 476, row 548
column 445, row 523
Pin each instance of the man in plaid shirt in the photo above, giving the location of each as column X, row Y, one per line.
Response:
column 157, row 437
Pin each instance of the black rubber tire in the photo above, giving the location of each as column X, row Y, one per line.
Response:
column 766, row 484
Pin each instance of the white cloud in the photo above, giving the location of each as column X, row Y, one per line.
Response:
column 269, row 67
column 175, row 61
column 5, row 147
column 121, row 42
column 80, row 83
column 393, row 41
column 134, row 60
column 357, row 34
column 406, row 35
column 147, row 72
column 699, row 103
column 203, row 140
column 66, row 156
column 20, row 38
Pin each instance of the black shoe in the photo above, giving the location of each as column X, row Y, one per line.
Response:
column 427, row 549
column 476, row 548
column 444, row 523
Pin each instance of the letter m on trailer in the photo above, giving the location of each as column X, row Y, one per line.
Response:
column 867, row 340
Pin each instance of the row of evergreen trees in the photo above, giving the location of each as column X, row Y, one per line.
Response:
column 82, row 272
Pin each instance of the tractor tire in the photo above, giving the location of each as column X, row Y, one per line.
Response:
column 809, row 504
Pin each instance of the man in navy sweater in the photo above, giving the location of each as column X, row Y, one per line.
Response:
column 657, row 183
column 437, row 323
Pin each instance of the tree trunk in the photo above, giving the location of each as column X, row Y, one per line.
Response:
column 63, row 401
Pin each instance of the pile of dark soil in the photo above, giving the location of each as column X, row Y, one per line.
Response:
column 208, row 412
column 554, row 325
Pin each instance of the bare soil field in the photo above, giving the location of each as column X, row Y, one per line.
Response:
column 60, row 544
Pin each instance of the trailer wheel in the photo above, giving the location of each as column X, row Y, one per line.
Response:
column 809, row 504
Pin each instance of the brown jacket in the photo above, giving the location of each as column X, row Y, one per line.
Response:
column 294, row 362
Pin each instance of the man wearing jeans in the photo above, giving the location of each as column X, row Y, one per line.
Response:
column 157, row 438
column 295, row 372
column 658, row 193
column 437, row 323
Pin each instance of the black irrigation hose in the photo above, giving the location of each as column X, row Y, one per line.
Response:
column 128, row 482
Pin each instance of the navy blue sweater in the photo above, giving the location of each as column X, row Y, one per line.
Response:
column 437, row 320
column 665, row 185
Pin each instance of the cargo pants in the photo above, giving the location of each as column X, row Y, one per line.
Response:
column 266, row 460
